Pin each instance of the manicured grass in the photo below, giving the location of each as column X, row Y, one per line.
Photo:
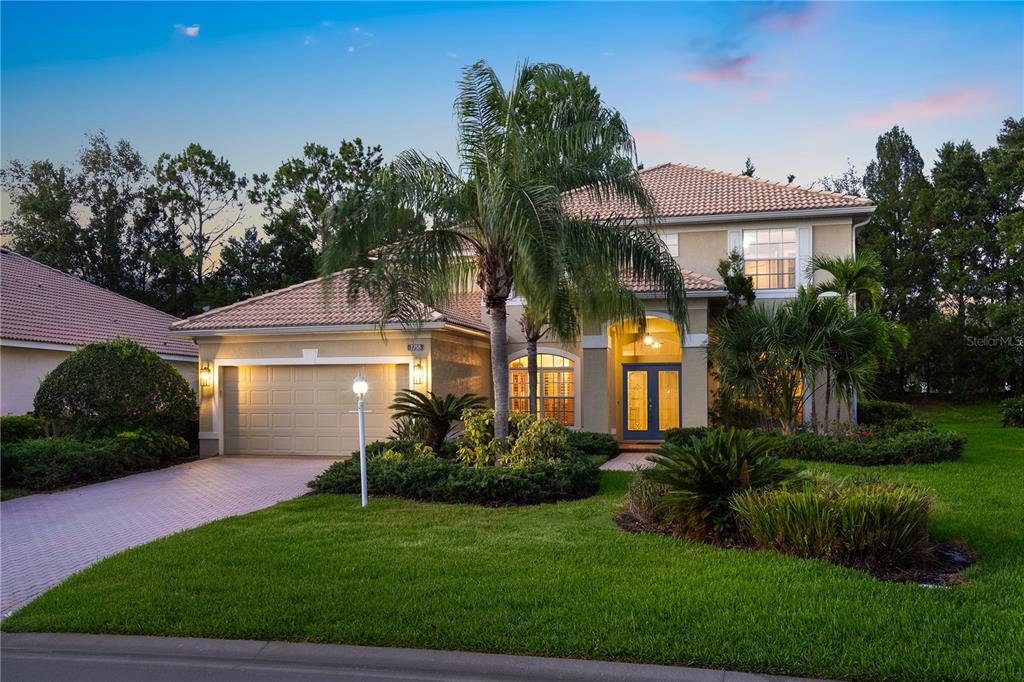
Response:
column 563, row 580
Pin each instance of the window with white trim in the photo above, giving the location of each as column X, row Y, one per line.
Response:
column 556, row 379
column 769, row 256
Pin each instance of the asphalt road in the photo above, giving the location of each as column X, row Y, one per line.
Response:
column 110, row 658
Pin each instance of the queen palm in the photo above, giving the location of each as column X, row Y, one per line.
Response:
column 432, row 229
column 858, row 275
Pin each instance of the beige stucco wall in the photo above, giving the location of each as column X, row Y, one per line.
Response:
column 21, row 370
column 832, row 240
column 701, row 250
column 460, row 364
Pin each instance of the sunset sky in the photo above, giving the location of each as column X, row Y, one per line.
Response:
column 798, row 87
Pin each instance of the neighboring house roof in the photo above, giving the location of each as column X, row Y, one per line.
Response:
column 680, row 191
column 312, row 304
column 40, row 304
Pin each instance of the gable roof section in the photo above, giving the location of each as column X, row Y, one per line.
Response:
column 681, row 191
column 41, row 304
column 320, row 302
column 693, row 281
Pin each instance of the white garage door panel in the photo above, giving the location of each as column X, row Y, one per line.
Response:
column 304, row 410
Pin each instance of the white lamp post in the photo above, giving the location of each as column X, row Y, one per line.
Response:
column 360, row 387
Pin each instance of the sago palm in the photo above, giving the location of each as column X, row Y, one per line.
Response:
column 432, row 229
column 436, row 413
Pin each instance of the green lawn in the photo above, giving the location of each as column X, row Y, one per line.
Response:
column 563, row 580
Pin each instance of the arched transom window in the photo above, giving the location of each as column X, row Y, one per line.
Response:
column 556, row 379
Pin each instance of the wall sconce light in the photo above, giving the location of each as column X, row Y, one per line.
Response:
column 419, row 375
column 205, row 376
column 648, row 340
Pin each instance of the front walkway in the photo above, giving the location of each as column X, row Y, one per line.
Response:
column 45, row 538
column 112, row 658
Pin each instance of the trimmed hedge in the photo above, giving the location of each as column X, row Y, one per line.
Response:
column 48, row 463
column 1012, row 412
column 18, row 428
column 442, row 480
column 593, row 444
column 881, row 411
column 911, row 447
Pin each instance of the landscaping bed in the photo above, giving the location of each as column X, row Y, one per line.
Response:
column 564, row 580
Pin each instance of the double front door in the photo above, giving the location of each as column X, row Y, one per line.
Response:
column 651, row 400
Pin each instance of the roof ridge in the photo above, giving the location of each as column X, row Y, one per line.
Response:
column 253, row 299
column 11, row 252
column 774, row 183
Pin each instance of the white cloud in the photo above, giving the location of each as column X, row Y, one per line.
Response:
column 351, row 49
column 308, row 40
column 451, row 55
column 187, row 31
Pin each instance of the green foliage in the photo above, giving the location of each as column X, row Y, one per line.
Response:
column 408, row 428
column 542, row 441
column 478, row 446
column 441, row 480
column 593, row 444
column 437, row 413
column 682, row 436
column 415, row 450
column 909, row 447
column 877, row 412
column 14, row 429
column 48, row 463
column 738, row 284
column 869, row 525
column 739, row 413
column 115, row 385
column 1012, row 412
column 702, row 476
column 645, row 502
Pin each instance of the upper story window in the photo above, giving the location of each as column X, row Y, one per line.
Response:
column 770, row 257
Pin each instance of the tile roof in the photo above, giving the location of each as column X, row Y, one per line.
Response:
column 680, row 190
column 320, row 303
column 694, row 281
column 44, row 305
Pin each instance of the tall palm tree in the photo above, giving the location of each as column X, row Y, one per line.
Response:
column 858, row 276
column 431, row 229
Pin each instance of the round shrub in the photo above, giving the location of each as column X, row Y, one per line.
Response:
column 544, row 440
column 881, row 411
column 478, row 447
column 112, row 386
column 593, row 444
column 14, row 429
column 1012, row 412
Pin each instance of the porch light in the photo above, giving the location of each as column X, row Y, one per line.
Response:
column 419, row 375
column 205, row 376
column 359, row 386
column 648, row 340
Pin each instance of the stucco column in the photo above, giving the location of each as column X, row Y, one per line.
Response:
column 695, row 382
column 595, row 384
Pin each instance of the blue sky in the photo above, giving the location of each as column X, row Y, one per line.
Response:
column 798, row 87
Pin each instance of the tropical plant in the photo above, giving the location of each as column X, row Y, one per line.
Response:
column 858, row 276
column 436, row 413
column 478, row 446
column 544, row 440
column 702, row 476
column 738, row 284
column 432, row 229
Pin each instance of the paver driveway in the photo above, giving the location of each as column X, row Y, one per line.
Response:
column 46, row 538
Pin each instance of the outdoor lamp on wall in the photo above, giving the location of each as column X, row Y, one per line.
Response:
column 648, row 340
column 419, row 375
column 205, row 376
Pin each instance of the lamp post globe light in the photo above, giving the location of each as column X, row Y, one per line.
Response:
column 360, row 387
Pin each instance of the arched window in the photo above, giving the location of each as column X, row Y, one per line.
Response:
column 556, row 379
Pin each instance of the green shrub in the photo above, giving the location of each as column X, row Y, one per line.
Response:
column 15, row 429
column 441, row 480
column 436, row 414
column 543, row 440
column 48, row 463
column 114, row 386
column 593, row 444
column 478, row 447
column 881, row 411
column 702, row 477
column 908, row 447
column 683, row 436
column 740, row 414
column 1012, row 411
column 898, row 426
column 871, row 525
column 408, row 428
column 645, row 502
column 408, row 452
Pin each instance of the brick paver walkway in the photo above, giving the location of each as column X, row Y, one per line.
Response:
column 46, row 538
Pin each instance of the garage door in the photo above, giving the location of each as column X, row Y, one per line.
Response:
column 304, row 410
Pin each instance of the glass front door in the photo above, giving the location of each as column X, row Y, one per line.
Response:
column 650, row 400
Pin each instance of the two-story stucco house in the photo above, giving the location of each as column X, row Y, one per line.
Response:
column 281, row 365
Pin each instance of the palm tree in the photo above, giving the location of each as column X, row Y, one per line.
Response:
column 436, row 413
column 858, row 276
column 432, row 229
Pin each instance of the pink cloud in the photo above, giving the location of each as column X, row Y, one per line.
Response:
column 955, row 102
column 187, row 31
column 723, row 70
column 652, row 137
